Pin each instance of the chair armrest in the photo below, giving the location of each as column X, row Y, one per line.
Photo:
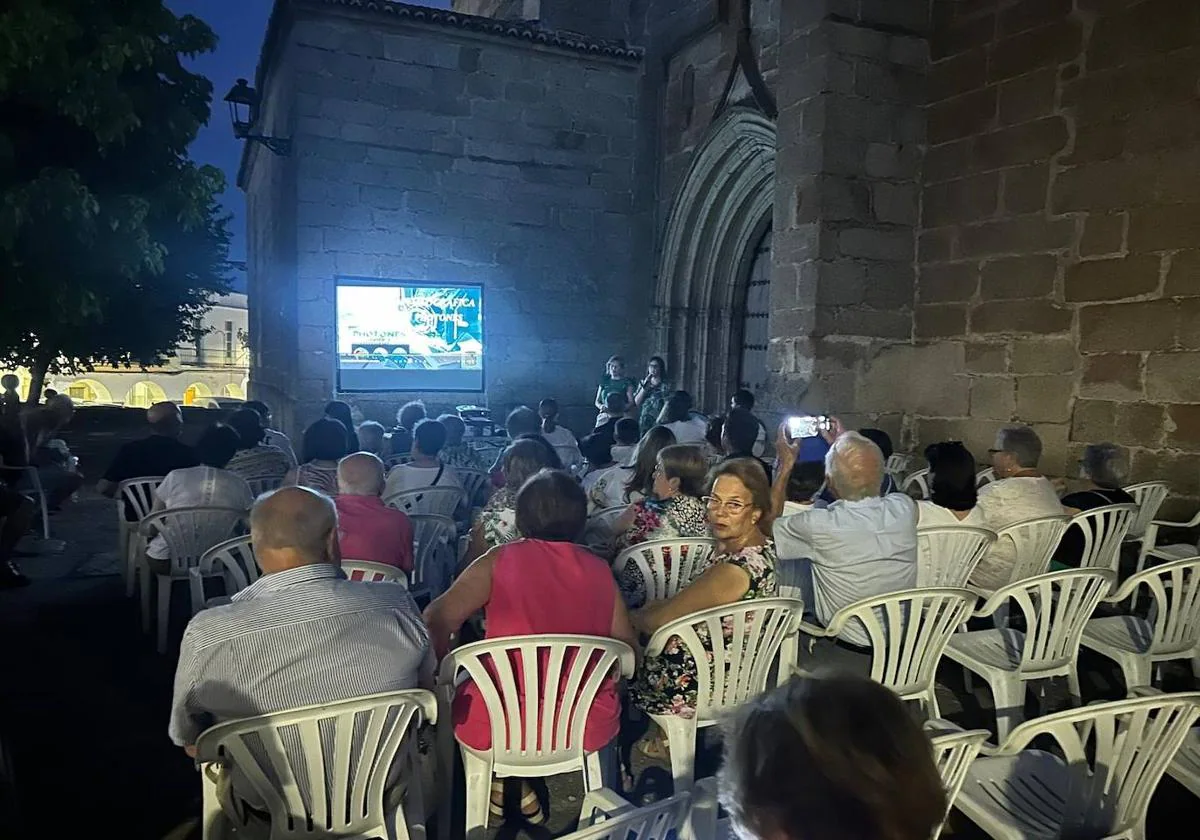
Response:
column 815, row 629
column 602, row 804
column 1164, row 523
column 704, row 810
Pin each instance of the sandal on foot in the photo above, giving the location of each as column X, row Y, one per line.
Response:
column 655, row 749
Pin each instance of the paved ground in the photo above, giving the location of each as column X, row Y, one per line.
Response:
column 84, row 701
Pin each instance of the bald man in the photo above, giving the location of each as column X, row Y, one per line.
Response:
column 157, row 454
column 302, row 634
column 369, row 529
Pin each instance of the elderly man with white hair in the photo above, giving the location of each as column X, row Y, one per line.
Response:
column 367, row 528
column 859, row 546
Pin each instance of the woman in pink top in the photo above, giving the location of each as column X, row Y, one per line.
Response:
column 540, row 584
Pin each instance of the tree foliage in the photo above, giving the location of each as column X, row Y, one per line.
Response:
column 112, row 241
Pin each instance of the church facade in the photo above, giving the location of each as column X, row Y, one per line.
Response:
column 934, row 216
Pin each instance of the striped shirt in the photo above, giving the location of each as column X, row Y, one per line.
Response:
column 281, row 441
column 295, row 638
column 260, row 461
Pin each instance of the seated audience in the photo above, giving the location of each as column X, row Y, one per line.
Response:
column 610, row 487
column 254, row 458
column 952, row 493
column 626, row 435
column 341, row 412
column 284, row 641
column 677, row 416
column 367, row 528
column 614, row 381
column 57, row 468
column 839, row 758
column 739, row 434
column 155, row 455
column 497, row 523
column 560, row 437
column 323, row 446
column 884, row 441
column 861, row 545
column 1019, row 493
column 208, row 485
column 521, row 422
column 804, row 487
column 652, row 393
column 10, row 400
column 371, row 438
column 272, row 438
column 426, row 468
column 640, row 483
column 456, row 453
column 744, row 399
column 16, row 509
column 407, row 418
column 541, row 584
column 713, row 431
column 742, row 569
column 1105, row 468
column 597, row 457
column 615, row 407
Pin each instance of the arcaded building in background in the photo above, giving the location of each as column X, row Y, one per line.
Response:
column 935, row 217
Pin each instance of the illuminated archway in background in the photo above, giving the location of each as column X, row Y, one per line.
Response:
column 144, row 394
column 232, row 389
column 89, row 390
column 196, row 391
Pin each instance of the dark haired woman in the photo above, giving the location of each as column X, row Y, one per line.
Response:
column 951, row 487
column 652, row 393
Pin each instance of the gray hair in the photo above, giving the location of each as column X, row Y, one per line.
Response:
column 373, row 432
column 455, row 428
column 1105, row 464
column 522, row 420
column 360, row 474
column 1022, row 443
column 854, row 465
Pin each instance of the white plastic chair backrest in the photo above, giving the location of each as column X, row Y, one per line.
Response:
column 191, row 531
column 1056, row 607
column 371, row 572
column 1115, row 754
column 538, row 691
column 660, row 821
column 258, row 486
column 474, row 482
column 1034, row 541
column 666, row 565
column 1175, row 587
column 434, row 536
column 440, row 501
column 1104, row 529
column 984, row 477
column 138, row 495
column 326, row 766
column 741, row 663
column 953, row 751
column 920, row 480
column 234, row 560
column 1149, row 496
column 908, row 631
column 947, row 554
column 897, row 463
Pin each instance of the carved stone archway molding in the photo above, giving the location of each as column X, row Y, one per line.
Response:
column 720, row 213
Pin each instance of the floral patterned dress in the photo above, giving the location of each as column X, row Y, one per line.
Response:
column 652, row 404
column 677, row 518
column 667, row 683
column 462, row 456
column 498, row 518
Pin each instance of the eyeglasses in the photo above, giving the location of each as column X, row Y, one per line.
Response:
column 734, row 506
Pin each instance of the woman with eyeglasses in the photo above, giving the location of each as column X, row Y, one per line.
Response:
column 741, row 569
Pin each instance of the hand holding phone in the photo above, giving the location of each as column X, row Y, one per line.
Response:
column 807, row 426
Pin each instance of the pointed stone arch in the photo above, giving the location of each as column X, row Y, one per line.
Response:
column 720, row 215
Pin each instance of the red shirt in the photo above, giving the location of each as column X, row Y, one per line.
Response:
column 369, row 530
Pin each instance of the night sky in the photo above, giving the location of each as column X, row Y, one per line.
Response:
column 240, row 25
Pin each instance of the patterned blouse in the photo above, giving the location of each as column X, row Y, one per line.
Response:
column 318, row 477
column 462, row 457
column 498, row 519
column 667, row 683
column 677, row 518
column 652, row 404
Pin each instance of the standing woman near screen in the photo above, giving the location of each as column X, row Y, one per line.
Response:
column 652, row 393
column 614, row 381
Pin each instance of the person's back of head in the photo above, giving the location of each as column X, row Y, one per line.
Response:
column 248, row 424
column 370, row 436
column 686, row 468
column 616, row 402
column 596, row 450
column 838, row 758
column 740, row 432
column 627, row 432
column 553, row 461
column 951, row 475
column 524, row 458
column 361, row 474
column 341, row 412
column 548, row 408
column 456, row 429
column 429, row 437
column 261, row 408
column 325, row 440
column 217, row 446
column 10, row 382
column 410, row 414
column 1105, row 465
column 61, row 409
column 165, row 418
column 881, row 439
column 806, row 481
column 854, row 465
column 742, row 399
column 522, row 420
column 293, row 527
column 645, row 460
column 551, row 506
column 1021, row 445
column 713, row 432
column 677, row 408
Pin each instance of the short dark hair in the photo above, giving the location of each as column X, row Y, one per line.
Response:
column 217, row 446
column 410, row 414
column 677, row 408
column 341, row 412
column 248, row 424
column 688, row 464
column 952, row 475
column 596, row 449
column 742, row 398
column 615, row 401
column 806, row 481
column 523, row 459
column 430, row 435
column 753, row 474
column 626, row 431
column 522, row 420
column 796, row 762
column 548, row 402
column 551, row 506
column 263, row 410
column 881, row 439
column 741, row 430
column 553, row 461
column 324, row 440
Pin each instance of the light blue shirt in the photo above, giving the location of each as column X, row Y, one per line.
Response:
column 834, row 556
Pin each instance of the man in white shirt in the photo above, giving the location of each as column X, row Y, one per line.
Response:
column 861, row 545
column 1019, row 493
column 426, row 468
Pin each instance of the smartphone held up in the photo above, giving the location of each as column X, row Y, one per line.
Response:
column 807, row 426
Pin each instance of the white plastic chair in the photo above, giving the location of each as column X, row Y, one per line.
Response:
column 1104, row 529
column 537, row 724
column 439, row 501
column 897, row 464
column 984, row 477
column 1175, row 551
column 435, row 544
column 1056, row 607
column 667, row 566
column 606, row 816
column 346, row 769
column 371, row 572
column 1112, row 757
column 908, row 631
column 475, row 483
column 1034, row 541
column 189, row 532
column 1173, row 631
column 954, row 749
column 947, row 554
column 1185, row 767
column 232, row 560
column 741, row 666
column 138, row 493
column 919, row 480
column 258, row 486
column 599, row 532
column 1149, row 497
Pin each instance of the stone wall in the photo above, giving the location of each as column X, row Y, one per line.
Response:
column 1059, row 252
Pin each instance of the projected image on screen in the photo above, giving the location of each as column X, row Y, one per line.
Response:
column 408, row 337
